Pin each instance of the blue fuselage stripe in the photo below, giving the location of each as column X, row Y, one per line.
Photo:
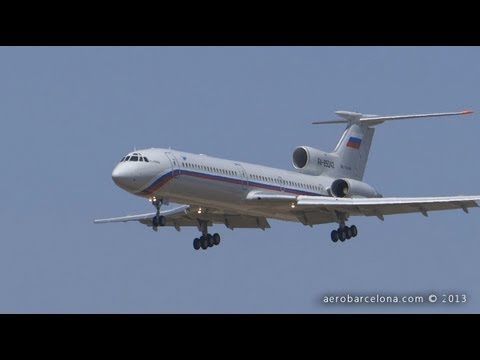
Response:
column 162, row 180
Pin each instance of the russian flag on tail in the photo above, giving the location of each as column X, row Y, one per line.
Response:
column 354, row 142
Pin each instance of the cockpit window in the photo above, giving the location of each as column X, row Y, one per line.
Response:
column 134, row 157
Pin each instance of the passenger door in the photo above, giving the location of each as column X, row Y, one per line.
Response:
column 174, row 163
column 242, row 175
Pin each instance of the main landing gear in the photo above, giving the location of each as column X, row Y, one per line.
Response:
column 343, row 232
column 158, row 220
column 206, row 240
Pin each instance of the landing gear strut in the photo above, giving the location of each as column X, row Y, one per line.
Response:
column 158, row 220
column 343, row 232
column 206, row 240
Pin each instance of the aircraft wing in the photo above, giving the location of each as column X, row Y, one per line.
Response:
column 172, row 215
column 388, row 206
column 187, row 215
column 311, row 210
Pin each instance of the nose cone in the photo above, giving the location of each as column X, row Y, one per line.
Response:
column 123, row 178
column 132, row 177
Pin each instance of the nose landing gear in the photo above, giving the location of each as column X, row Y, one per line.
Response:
column 158, row 220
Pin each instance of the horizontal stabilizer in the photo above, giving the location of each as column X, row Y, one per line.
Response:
column 372, row 120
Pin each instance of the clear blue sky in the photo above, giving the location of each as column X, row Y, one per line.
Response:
column 69, row 114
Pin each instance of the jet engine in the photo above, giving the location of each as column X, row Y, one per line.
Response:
column 311, row 161
column 352, row 188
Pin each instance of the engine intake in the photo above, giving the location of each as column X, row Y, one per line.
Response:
column 348, row 188
column 311, row 161
column 340, row 188
column 300, row 157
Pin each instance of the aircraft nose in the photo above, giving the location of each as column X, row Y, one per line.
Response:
column 122, row 178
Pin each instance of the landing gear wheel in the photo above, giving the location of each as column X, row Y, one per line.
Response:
column 159, row 221
column 196, row 243
column 334, row 236
column 348, row 232
column 204, row 243
column 162, row 220
column 354, row 230
column 210, row 240
column 216, row 239
column 341, row 235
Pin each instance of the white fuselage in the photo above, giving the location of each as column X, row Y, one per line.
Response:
column 202, row 180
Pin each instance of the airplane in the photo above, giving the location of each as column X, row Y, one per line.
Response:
column 324, row 188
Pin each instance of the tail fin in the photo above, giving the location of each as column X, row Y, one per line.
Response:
column 354, row 146
column 352, row 151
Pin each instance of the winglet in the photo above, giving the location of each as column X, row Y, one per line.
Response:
column 466, row 112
